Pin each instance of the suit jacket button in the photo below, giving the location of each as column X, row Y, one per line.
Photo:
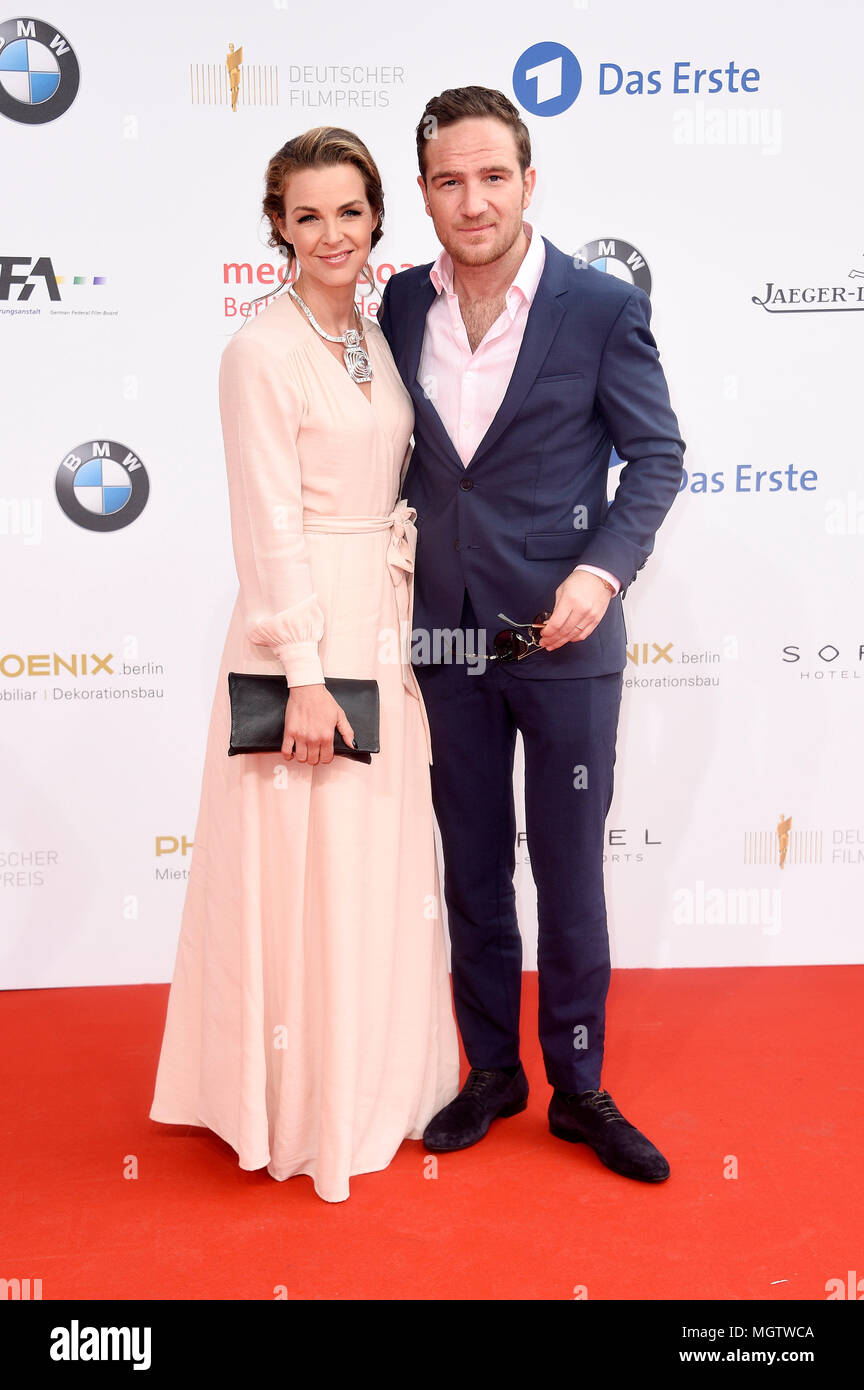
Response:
column 456, row 545
column 466, row 484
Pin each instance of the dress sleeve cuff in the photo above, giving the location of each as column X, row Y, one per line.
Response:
column 301, row 663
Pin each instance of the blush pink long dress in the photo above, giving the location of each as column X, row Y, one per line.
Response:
column 309, row 1020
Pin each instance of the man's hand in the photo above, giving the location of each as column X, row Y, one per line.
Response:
column 580, row 603
column 311, row 715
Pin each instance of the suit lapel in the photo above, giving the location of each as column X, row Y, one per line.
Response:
column 544, row 318
column 416, row 316
column 541, row 326
column 413, row 349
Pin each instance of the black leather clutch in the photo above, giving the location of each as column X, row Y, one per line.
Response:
column 258, row 713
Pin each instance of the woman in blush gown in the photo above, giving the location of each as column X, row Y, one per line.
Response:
column 309, row 1020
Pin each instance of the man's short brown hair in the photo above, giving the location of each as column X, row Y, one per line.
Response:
column 459, row 103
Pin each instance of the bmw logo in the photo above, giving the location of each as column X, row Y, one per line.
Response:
column 38, row 71
column 618, row 258
column 102, row 485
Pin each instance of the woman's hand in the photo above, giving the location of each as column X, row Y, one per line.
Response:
column 311, row 715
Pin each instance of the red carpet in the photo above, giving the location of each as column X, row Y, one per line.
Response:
column 764, row 1065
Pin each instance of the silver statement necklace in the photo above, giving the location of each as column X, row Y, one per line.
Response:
column 355, row 356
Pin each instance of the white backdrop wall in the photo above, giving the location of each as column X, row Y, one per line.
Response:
column 122, row 216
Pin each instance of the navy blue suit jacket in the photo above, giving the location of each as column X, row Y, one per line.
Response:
column 587, row 376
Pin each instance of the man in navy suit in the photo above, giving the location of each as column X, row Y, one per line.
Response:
column 525, row 367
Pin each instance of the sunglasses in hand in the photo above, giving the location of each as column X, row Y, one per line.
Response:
column 511, row 644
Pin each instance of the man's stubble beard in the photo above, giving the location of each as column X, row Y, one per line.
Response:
column 460, row 255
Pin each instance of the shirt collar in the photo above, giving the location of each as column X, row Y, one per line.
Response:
column 525, row 282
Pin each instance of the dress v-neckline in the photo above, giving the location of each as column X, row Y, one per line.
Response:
column 327, row 353
column 342, row 369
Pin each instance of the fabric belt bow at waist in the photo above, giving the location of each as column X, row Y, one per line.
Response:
column 400, row 562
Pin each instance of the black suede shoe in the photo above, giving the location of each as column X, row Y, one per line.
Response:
column 486, row 1096
column 592, row 1117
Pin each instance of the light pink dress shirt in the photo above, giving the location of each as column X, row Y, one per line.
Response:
column 467, row 388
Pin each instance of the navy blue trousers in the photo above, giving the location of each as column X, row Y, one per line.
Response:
column 568, row 729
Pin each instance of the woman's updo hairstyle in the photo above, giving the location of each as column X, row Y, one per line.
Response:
column 317, row 149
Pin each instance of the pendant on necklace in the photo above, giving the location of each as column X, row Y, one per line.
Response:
column 356, row 358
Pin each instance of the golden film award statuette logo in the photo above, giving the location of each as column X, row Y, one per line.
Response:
column 234, row 83
column 784, row 825
column 783, row 846
column 232, row 63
